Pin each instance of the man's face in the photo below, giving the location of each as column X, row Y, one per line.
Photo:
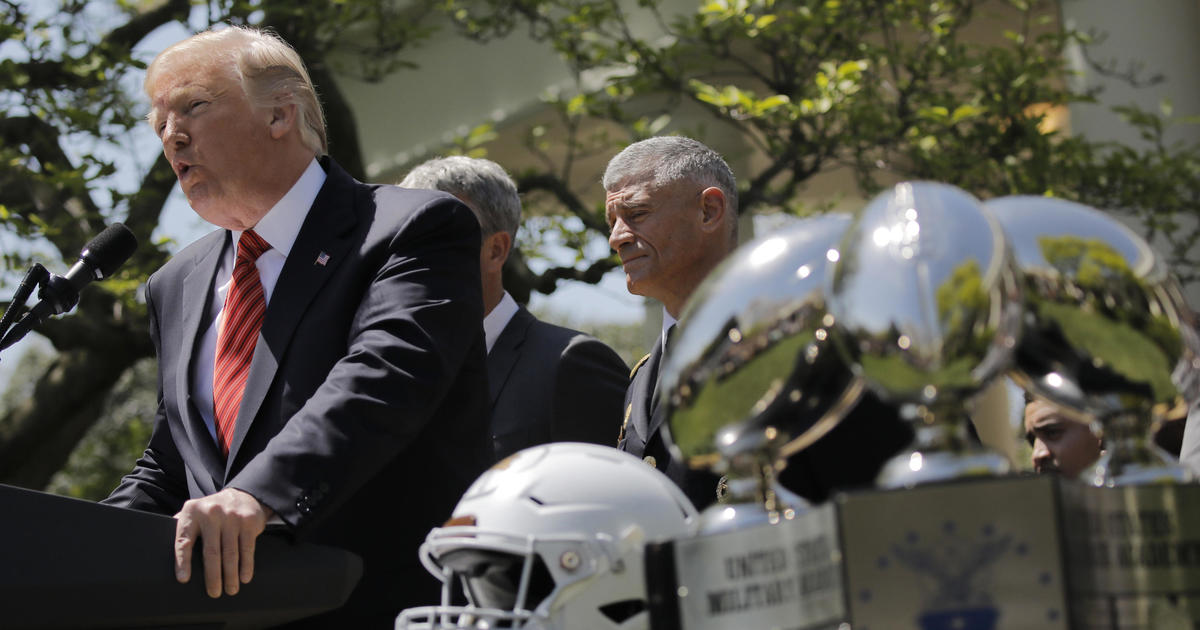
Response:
column 656, row 232
column 214, row 139
column 1060, row 444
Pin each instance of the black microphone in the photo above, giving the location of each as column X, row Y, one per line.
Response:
column 102, row 256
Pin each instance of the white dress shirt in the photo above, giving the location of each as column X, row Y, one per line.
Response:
column 278, row 227
column 495, row 321
column 668, row 322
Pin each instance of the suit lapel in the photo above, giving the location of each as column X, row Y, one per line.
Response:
column 197, row 291
column 325, row 235
column 645, row 382
column 505, row 351
column 658, row 413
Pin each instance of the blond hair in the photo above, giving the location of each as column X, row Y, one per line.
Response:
column 269, row 69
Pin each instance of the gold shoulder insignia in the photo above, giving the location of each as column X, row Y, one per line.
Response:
column 638, row 366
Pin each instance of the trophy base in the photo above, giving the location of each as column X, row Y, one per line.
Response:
column 724, row 517
column 914, row 468
column 1146, row 466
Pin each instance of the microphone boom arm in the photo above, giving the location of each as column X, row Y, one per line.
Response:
column 35, row 276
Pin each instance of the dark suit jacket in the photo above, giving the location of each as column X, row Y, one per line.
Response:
column 643, row 434
column 363, row 418
column 552, row 384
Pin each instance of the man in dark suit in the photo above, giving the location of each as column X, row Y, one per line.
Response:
column 320, row 357
column 546, row 383
column 671, row 207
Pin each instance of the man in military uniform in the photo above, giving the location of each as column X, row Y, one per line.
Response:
column 671, row 207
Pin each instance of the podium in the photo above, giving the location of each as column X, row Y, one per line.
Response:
column 67, row 563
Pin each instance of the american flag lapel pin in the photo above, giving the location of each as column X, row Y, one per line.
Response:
column 322, row 259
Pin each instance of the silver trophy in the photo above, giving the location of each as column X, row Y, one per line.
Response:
column 927, row 303
column 1106, row 331
column 750, row 377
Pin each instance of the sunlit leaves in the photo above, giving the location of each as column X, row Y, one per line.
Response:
column 738, row 103
column 645, row 127
column 897, row 89
column 472, row 143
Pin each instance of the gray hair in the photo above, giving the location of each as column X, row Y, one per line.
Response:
column 482, row 184
column 669, row 159
column 269, row 69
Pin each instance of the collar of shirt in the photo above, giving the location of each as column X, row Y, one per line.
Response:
column 281, row 225
column 668, row 322
column 282, row 222
column 495, row 321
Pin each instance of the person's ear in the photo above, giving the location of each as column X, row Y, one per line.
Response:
column 283, row 120
column 713, row 207
column 495, row 250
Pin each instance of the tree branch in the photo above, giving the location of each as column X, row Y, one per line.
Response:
column 548, row 182
column 37, row 437
column 520, row 281
column 126, row 36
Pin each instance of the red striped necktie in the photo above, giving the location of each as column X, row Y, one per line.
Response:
column 241, row 320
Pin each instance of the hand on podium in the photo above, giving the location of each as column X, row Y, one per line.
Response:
column 228, row 523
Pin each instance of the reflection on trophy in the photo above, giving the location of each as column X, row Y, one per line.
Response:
column 927, row 309
column 751, row 377
column 1106, row 330
column 922, row 298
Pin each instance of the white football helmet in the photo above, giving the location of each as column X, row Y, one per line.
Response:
column 551, row 539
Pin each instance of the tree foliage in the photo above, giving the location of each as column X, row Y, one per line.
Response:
column 882, row 89
column 958, row 91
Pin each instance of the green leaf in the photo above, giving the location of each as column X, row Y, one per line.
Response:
column 773, row 102
column 576, row 105
column 658, row 124
column 850, row 68
column 704, row 92
column 963, row 112
column 936, row 112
